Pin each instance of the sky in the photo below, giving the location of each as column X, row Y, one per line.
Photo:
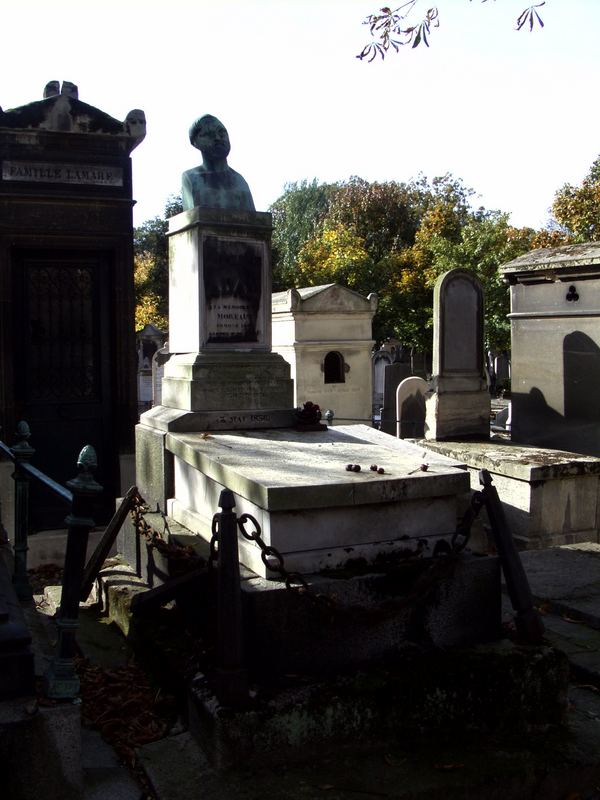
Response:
column 515, row 115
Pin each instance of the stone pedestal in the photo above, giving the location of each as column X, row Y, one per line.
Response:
column 222, row 374
column 219, row 281
column 225, row 382
column 451, row 414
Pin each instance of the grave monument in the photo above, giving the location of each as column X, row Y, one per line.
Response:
column 410, row 408
column 227, row 416
column 325, row 333
column 550, row 497
column 67, row 344
column 554, row 311
column 332, row 526
column 459, row 403
column 221, row 373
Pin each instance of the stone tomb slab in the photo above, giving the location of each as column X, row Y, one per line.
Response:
column 317, row 514
column 550, row 497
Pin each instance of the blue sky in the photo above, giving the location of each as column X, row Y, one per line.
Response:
column 515, row 115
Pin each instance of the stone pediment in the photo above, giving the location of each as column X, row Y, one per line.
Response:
column 63, row 112
column 330, row 297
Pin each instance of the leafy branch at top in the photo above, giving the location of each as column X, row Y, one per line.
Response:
column 390, row 28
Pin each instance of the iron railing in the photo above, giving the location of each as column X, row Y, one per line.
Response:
column 61, row 680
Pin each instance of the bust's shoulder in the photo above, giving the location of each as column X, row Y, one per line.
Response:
column 237, row 177
column 189, row 174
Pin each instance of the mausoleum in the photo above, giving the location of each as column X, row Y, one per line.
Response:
column 67, row 345
column 325, row 334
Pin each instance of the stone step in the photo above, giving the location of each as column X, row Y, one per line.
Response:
column 103, row 776
column 99, row 772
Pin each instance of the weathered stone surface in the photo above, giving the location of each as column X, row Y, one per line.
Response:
column 454, row 415
column 567, row 256
column 153, row 466
column 174, row 420
column 549, row 497
column 370, row 616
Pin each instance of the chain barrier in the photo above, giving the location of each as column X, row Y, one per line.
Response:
column 272, row 558
column 461, row 536
column 155, row 538
column 295, row 582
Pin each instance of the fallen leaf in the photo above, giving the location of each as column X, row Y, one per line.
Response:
column 31, row 708
column 448, row 767
column 394, row 762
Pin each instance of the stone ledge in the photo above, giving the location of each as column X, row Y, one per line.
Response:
column 284, row 470
column 523, row 462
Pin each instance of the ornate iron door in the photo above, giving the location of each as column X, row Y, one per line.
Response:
column 62, row 368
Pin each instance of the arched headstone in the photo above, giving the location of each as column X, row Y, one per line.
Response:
column 459, row 405
column 410, row 408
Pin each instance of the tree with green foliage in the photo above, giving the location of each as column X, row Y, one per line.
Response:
column 395, row 239
column 393, row 28
column 576, row 209
column 296, row 215
column 151, row 268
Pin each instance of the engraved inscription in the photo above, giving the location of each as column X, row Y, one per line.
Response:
column 42, row 172
column 232, row 279
column 242, row 419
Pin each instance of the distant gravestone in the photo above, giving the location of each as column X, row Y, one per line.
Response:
column 459, row 405
column 380, row 359
column 394, row 373
column 421, row 364
column 410, row 408
column 502, row 369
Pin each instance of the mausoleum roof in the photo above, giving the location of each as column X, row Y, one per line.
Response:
column 570, row 255
column 63, row 112
column 327, row 297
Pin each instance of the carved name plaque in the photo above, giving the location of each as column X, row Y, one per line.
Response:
column 42, row 172
column 233, row 287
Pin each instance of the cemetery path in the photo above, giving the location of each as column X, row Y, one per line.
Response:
column 565, row 582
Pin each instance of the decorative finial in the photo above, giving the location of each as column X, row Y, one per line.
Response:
column 70, row 90
column 51, row 89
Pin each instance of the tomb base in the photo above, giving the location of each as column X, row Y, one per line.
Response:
column 550, row 497
column 227, row 381
column 459, row 414
column 314, row 511
column 421, row 696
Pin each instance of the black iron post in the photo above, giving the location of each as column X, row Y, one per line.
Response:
column 22, row 452
column 231, row 677
column 528, row 622
column 61, row 680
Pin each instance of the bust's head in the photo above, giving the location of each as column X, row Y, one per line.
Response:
column 209, row 135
